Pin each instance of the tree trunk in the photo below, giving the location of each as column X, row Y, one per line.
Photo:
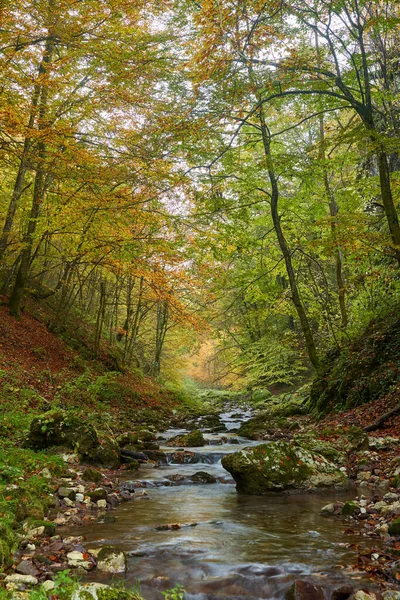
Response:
column 333, row 211
column 387, row 201
column 24, row 266
column 38, row 191
column 376, row 424
column 305, row 325
column 23, row 166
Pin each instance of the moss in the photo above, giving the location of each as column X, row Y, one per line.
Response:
column 49, row 527
column 349, row 508
column 98, row 494
column 280, row 466
column 91, row 475
column 190, row 440
column 364, row 370
column 113, row 593
column 8, row 543
column 394, row 528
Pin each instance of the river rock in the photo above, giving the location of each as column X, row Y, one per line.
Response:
column 78, row 559
column 304, row 590
column 26, row 567
column 48, row 585
column 203, row 477
column 98, row 494
column 282, row 466
column 89, row 588
column 18, row 579
column 66, row 492
column 91, row 475
column 111, row 560
column 362, row 595
column 189, row 440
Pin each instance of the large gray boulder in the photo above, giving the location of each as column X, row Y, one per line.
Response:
column 282, row 467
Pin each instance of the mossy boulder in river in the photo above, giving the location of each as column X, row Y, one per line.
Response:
column 281, row 467
column 189, row 440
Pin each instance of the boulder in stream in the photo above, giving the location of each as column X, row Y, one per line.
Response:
column 111, row 560
column 203, row 477
column 189, row 440
column 282, row 466
column 304, row 590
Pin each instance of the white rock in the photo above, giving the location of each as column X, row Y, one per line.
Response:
column 111, row 560
column 46, row 473
column 36, row 531
column 89, row 588
column 48, row 585
column 68, row 502
column 79, row 497
column 379, row 505
column 76, row 559
column 391, row 595
column 360, row 595
column 375, row 556
column 102, row 503
column 23, row 579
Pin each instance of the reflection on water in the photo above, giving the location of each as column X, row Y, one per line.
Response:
column 229, row 546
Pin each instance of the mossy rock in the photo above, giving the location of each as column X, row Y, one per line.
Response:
column 255, row 427
column 325, row 449
column 113, row 593
column 394, row 528
column 280, row 467
column 190, row 440
column 98, row 494
column 203, row 477
column 349, row 509
column 111, row 560
column 107, row 454
column 49, row 527
column 61, row 429
column 91, row 475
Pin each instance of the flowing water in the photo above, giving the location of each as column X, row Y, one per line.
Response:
column 228, row 546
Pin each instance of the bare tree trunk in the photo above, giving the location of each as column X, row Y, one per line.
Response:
column 276, row 219
column 23, row 167
column 161, row 330
column 100, row 317
column 387, row 201
column 333, row 211
column 134, row 326
column 38, row 191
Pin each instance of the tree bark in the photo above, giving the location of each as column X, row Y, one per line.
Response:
column 38, row 191
column 276, row 219
column 387, row 201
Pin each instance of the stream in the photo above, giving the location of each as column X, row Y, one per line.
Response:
column 228, row 546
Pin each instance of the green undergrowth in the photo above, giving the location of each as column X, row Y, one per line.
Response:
column 365, row 370
column 24, row 493
column 67, row 587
